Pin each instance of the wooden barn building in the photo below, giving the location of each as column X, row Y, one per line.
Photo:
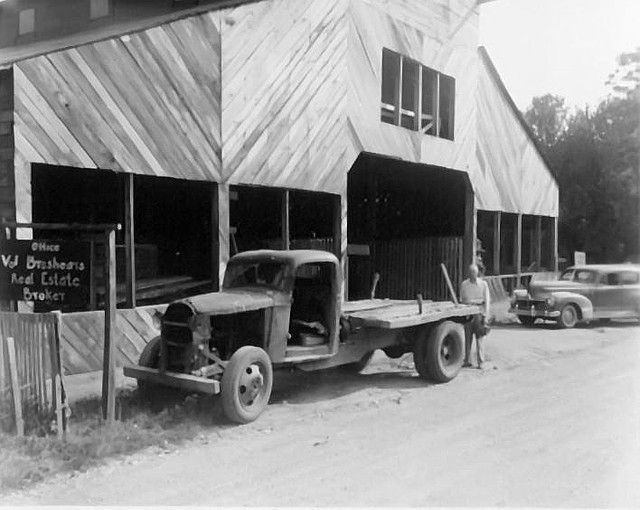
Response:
column 372, row 128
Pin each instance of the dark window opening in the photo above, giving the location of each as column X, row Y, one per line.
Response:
column 429, row 101
column 256, row 218
column 311, row 220
column 447, row 96
column 416, row 97
column 508, row 242
column 173, row 231
column 409, row 112
column 390, row 87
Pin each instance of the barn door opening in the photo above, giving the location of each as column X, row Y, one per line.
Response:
column 404, row 219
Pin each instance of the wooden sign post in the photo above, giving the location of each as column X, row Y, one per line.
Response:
column 109, row 356
column 68, row 286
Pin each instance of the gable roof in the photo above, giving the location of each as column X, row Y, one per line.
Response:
column 486, row 60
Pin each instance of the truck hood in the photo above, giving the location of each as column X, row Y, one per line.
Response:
column 237, row 300
column 543, row 289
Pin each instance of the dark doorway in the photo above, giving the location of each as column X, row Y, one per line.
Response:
column 404, row 219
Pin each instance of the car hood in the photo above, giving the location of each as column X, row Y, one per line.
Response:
column 237, row 300
column 541, row 289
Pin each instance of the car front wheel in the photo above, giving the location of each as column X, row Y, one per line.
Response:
column 568, row 317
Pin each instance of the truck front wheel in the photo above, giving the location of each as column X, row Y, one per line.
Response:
column 246, row 384
column 439, row 352
column 150, row 358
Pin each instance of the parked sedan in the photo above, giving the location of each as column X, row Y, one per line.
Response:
column 581, row 294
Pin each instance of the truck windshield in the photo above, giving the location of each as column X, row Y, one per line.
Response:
column 250, row 274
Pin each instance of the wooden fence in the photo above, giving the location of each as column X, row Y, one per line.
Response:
column 31, row 385
column 412, row 266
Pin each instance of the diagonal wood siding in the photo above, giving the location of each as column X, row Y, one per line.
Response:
column 82, row 334
column 511, row 174
column 145, row 103
column 441, row 34
column 284, row 94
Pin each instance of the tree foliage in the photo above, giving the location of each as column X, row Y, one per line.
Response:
column 594, row 156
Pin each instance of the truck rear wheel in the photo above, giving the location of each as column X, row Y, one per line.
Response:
column 439, row 352
column 246, row 384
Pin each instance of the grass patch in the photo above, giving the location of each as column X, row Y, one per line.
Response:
column 89, row 441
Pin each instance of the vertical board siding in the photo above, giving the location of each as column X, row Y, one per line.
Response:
column 284, row 94
column 409, row 267
column 511, row 176
column 36, row 363
column 146, row 103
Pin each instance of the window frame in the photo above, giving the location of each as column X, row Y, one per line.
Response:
column 420, row 119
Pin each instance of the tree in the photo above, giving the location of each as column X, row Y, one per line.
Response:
column 548, row 118
column 595, row 157
column 624, row 82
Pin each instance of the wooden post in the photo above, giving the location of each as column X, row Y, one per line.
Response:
column 285, row 227
column 538, row 243
column 59, row 397
column 554, row 253
column 109, row 361
column 469, row 240
column 15, row 386
column 518, row 248
column 129, row 241
column 340, row 240
column 496, row 242
column 220, row 235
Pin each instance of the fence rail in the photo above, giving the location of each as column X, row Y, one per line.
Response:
column 30, row 370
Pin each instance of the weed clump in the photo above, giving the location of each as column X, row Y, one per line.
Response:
column 90, row 441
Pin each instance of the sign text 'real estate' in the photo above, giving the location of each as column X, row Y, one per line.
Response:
column 53, row 272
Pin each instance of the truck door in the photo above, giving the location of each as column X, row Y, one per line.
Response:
column 314, row 317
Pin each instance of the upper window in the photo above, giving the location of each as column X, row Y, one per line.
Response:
column 416, row 97
column 99, row 9
column 26, row 21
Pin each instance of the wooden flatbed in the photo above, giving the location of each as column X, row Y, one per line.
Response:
column 395, row 314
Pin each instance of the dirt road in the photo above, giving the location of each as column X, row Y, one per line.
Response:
column 554, row 421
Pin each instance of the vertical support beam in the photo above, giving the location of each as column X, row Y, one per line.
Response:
column 518, row 248
column 340, row 239
column 220, row 233
column 538, row 243
column 554, row 252
column 109, row 357
column 497, row 240
column 129, row 241
column 285, row 230
column 470, row 227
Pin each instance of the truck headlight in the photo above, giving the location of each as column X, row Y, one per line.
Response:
column 550, row 301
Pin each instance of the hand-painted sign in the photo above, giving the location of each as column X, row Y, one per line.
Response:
column 52, row 272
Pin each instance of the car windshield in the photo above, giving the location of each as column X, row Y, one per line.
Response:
column 585, row 276
column 567, row 275
column 252, row 273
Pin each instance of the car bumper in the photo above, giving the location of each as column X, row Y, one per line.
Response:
column 538, row 314
column 185, row 382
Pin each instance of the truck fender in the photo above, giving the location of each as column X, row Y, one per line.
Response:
column 584, row 304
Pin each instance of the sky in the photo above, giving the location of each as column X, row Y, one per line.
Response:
column 564, row 47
